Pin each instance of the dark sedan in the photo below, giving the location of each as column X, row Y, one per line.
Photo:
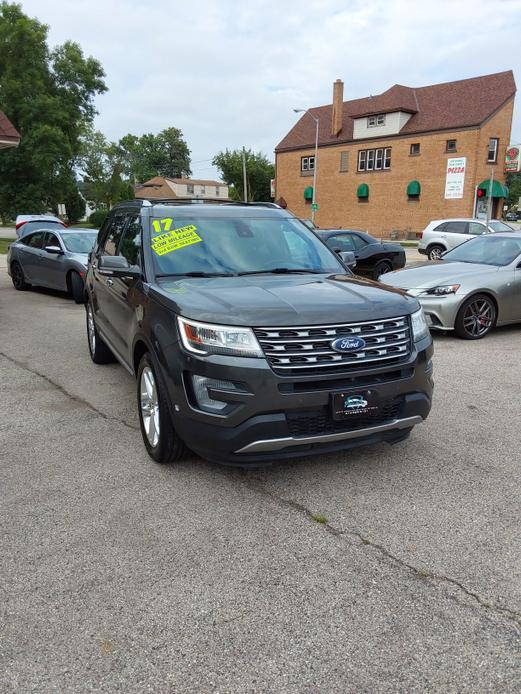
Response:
column 373, row 256
column 55, row 258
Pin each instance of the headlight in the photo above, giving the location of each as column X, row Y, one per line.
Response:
column 206, row 338
column 443, row 290
column 420, row 329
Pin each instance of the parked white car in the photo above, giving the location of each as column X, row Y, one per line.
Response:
column 443, row 235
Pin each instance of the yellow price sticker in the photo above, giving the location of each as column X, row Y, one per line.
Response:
column 175, row 239
column 160, row 225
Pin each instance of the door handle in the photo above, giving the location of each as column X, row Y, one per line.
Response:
column 110, row 282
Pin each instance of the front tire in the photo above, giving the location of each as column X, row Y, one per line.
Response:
column 18, row 277
column 476, row 317
column 435, row 251
column 77, row 288
column 99, row 352
column 160, row 439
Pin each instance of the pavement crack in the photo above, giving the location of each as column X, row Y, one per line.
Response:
column 257, row 485
column 75, row 398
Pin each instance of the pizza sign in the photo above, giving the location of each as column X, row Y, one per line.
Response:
column 512, row 160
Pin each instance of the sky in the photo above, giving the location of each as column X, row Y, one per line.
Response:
column 230, row 73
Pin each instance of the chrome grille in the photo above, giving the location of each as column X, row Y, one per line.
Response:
column 304, row 350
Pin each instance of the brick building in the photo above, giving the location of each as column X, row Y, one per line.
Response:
column 9, row 136
column 383, row 160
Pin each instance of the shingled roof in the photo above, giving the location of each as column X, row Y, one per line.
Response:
column 447, row 106
column 8, row 133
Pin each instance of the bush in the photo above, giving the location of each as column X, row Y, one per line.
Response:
column 97, row 218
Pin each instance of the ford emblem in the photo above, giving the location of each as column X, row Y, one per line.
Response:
column 348, row 344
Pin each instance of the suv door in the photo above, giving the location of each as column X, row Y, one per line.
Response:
column 454, row 233
column 52, row 266
column 29, row 252
column 122, row 296
column 110, row 236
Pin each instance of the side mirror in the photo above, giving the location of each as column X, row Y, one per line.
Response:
column 117, row 266
column 53, row 250
column 348, row 258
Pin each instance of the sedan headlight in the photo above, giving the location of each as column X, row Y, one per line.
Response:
column 420, row 329
column 207, row 338
column 443, row 290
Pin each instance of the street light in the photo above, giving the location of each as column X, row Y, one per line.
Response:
column 305, row 110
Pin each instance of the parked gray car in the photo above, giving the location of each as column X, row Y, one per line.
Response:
column 473, row 288
column 55, row 259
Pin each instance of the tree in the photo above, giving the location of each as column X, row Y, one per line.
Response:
column 514, row 189
column 48, row 96
column 103, row 181
column 259, row 172
column 165, row 154
column 74, row 206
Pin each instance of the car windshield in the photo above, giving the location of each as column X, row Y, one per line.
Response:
column 499, row 226
column 489, row 250
column 79, row 242
column 226, row 245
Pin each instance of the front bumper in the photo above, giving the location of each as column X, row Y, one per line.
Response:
column 276, row 417
column 441, row 311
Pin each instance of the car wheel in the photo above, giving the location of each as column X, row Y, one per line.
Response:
column 382, row 268
column 435, row 251
column 18, row 277
column 77, row 288
column 476, row 317
column 99, row 351
column 162, row 443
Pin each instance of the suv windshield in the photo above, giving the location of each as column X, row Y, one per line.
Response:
column 80, row 242
column 224, row 245
column 499, row 226
column 489, row 250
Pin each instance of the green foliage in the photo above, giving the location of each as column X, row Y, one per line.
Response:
column 514, row 189
column 74, row 206
column 48, row 96
column 97, row 218
column 259, row 172
column 165, row 154
column 103, row 183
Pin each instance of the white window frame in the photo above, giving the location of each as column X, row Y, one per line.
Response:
column 307, row 163
column 362, row 156
column 495, row 140
column 190, row 188
column 374, row 159
column 387, row 158
column 370, row 159
column 217, row 191
column 376, row 121
column 378, row 159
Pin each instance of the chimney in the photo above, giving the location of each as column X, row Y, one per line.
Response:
column 338, row 103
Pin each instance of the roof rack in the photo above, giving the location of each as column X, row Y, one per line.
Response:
column 205, row 201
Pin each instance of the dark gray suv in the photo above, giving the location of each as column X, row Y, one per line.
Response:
column 251, row 341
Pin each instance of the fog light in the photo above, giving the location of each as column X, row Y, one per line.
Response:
column 203, row 399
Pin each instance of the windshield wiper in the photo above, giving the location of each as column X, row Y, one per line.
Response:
column 196, row 274
column 282, row 271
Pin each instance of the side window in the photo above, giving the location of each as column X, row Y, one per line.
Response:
column 36, row 240
column 113, row 236
column 476, row 229
column 456, row 228
column 342, row 242
column 130, row 244
column 51, row 240
column 358, row 241
column 440, row 227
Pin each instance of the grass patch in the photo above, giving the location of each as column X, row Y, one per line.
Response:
column 4, row 245
column 319, row 518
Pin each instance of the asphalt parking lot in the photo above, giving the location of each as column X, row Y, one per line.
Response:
column 119, row 575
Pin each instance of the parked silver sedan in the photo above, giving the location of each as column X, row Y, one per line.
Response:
column 473, row 288
column 55, row 259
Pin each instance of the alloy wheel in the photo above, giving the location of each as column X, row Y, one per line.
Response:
column 479, row 317
column 149, row 404
column 435, row 253
column 17, row 276
column 91, row 329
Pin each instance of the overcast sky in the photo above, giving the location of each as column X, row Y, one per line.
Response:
column 229, row 73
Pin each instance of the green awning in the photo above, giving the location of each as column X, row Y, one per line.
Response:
column 498, row 189
column 363, row 190
column 308, row 193
column 414, row 188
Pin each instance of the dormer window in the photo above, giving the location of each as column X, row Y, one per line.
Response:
column 375, row 121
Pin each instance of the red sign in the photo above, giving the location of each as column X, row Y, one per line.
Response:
column 512, row 160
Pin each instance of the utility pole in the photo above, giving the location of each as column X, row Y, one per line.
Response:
column 489, row 201
column 245, row 180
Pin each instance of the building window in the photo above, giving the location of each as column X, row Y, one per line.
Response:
column 217, row 191
column 344, row 161
column 451, row 146
column 203, row 190
column 415, row 149
column 190, row 188
column 375, row 121
column 307, row 163
column 374, row 159
column 493, row 145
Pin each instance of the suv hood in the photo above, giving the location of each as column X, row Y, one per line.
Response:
column 431, row 274
column 275, row 300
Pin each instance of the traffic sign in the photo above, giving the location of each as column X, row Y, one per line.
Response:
column 314, row 206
